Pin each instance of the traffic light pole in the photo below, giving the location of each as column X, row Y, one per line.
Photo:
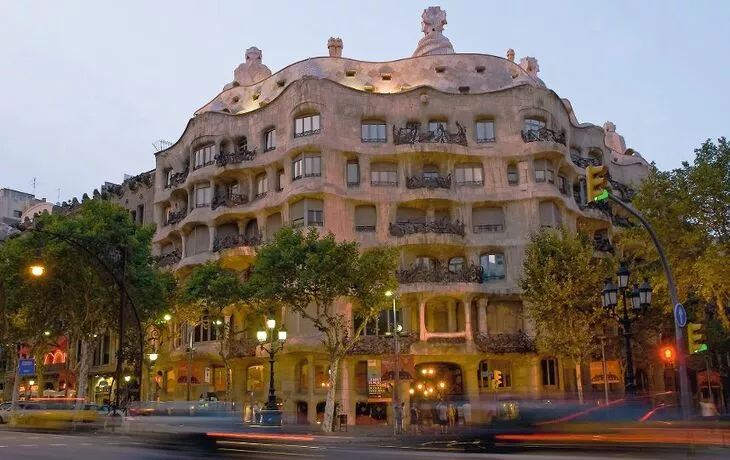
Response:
column 684, row 389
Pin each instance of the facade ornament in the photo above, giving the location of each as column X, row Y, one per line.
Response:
column 511, row 55
column 432, row 25
column 613, row 140
column 334, row 45
column 251, row 71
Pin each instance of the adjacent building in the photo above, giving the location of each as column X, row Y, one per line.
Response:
column 13, row 203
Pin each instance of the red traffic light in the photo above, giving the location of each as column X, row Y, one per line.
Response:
column 668, row 353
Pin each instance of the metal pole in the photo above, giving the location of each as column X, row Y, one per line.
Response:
column 190, row 364
column 122, row 298
column 630, row 378
column 707, row 370
column 396, row 384
column 605, row 368
column 271, row 404
column 684, row 387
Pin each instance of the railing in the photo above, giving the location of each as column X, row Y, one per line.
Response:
column 223, row 158
column 228, row 200
column 302, row 176
column 470, row 183
column 431, row 183
column 510, row 342
column 171, row 258
column 543, row 135
column 488, row 228
column 234, row 241
column 442, row 226
column 373, row 140
column 440, row 273
column 382, row 345
column 486, row 140
column 585, row 162
column 383, row 183
column 307, row 133
column 177, row 179
column 365, row 228
column 258, row 196
column 203, row 165
column 411, row 134
column 175, row 217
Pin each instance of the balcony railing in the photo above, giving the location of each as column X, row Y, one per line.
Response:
column 383, row 183
column 411, row 134
column 235, row 241
column 177, row 179
column 440, row 273
column 365, row 228
column 175, row 217
column 488, row 228
column 203, row 165
column 171, row 258
column 543, row 135
column 382, row 345
column 228, row 200
column 232, row 158
column 582, row 162
column 510, row 342
column 429, row 182
column 442, row 226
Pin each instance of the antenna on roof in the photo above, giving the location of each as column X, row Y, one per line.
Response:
column 34, row 184
column 161, row 145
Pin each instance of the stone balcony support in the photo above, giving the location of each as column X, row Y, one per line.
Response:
column 482, row 314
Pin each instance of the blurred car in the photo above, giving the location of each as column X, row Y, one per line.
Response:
column 57, row 414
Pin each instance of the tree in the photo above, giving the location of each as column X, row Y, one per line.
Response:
column 562, row 283
column 307, row 274
column 211, row 290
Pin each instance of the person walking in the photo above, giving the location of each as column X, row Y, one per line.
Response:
column 443, row 415
column 466, row 412
column 398, row 418
column 414, row 419
column 451, row 414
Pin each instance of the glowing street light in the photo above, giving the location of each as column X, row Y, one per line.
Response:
column 167, row 317
column 37, row 269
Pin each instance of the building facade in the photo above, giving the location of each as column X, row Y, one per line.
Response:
column 13, row 203
column 455, row 159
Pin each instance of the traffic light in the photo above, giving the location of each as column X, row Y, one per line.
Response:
column 668, row 354
column 696, row 338
column 497, row 379
column 596, row 183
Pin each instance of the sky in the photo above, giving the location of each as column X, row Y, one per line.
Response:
column 87, row 87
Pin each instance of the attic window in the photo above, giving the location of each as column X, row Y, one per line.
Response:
column 479, row 68
column 440, row 69
column 405, row 87
column 463, row 89
column 349, row 73
column 385, row 76
column 368, row 87
column 281, row 82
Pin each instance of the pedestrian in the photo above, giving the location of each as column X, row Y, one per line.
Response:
column 466, row 411
column 451, row 414
column 443, row 416
column 398, row 418
column 256, row 413
column 414, row 419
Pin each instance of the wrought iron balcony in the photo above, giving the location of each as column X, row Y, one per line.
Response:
column 175, row 217
column 234, row 241
column 582, row 162
column 411, row 134
column 510, row 342
column 429, row 182
column 440, row 273
column 365, row 228
column 488, row 228
column 228, row 200
column 382, row 344
column 171, row 258
column 443, row 226
column 223, row 158
column 543, row 135
column 177, row 179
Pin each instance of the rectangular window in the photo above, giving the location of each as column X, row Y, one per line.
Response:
column 307, row 166
column 492, row 266
column 485, row 132
column 269, row 140
column 204, row 156
column 202, row 196
column 315, row 217
column 533, row 124
column 262, row 185
column 353, row 173
column 563, row 185
column 280, row 180
column 140, row 214
column 384, row 175
column 484, row 375
column 544, row 171
column 17, row 214
column 469, row 175
column 373, row 132
column 549, row 367
column 306, row 126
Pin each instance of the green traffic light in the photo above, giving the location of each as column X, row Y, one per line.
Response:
column 702, row 348
column 601, row 196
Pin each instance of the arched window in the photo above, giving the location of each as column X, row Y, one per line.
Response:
column 534, row 124
column 306, row 126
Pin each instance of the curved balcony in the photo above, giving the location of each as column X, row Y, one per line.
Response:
column 411, row 134
column 439, row 226
column 169, row 259
column 229, row 200
column 175, row 217
column 225, row 159
column 177, row 179
column 431, row 183
column 543, row 135
column 235, row 241
column 440, row 273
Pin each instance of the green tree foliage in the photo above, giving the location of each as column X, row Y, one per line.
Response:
column 562, row 283
column 314, row 277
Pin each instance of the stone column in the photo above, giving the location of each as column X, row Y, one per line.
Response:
column 312, row 400
column 422, row 319
column 467, row 317
column 211, row 237
column 482, row 314
column 346, row 398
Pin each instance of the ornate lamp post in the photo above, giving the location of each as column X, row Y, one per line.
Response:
column 271, row 341
column 152, row 357
column 640, row 298
column 396, row 328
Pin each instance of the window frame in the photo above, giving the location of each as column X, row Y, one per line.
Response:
column 280, row 179
column 368, row 137
column 270, row 140
column 472, row 169
column 356, row 164
column 304, row 161
column 307, row 121
column 534, row 124
column 386, row 174
column 485, row 139
column 208, row 195
column 262, row 184
column 550, row 366
column 206, row 157
column 487, row 270
column 516, row 175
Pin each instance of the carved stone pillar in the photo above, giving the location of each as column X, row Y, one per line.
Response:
column 467, row 317
column 422, row 319
column 482, row 314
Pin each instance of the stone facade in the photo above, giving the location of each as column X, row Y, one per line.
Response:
column 453, row 158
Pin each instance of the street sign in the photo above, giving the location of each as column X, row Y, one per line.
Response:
column 680, row 315
column 26, row 367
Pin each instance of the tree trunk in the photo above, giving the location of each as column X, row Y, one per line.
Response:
column 82, row 376
column 579, row 381
column 16, row 387
column 329, row 408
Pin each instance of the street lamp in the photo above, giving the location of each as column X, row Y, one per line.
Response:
column 271, row 415
column 150, row 395
column 396, row 381
column 640, row 300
